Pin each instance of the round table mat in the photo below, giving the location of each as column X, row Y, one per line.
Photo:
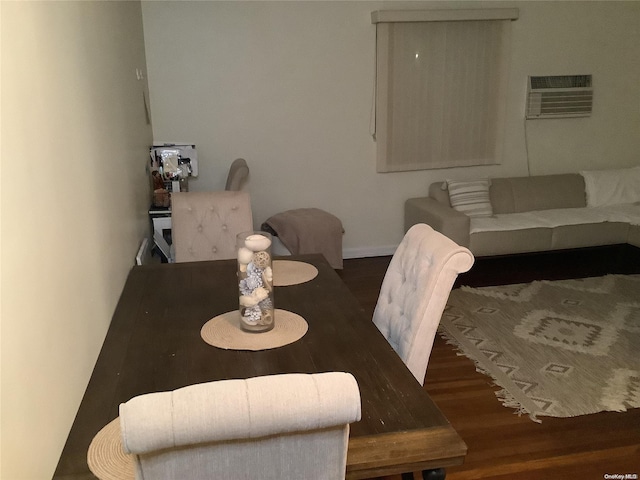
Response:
column 290, row 272
column 224, row 332
column 106, row 458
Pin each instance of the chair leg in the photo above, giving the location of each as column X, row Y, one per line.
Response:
column 435, row 474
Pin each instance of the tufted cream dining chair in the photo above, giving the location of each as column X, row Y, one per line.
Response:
column 205, row 224
column 415, row 291
column 238, row 174
column 289, row 426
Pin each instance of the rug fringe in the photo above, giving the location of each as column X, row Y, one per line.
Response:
column 503, row 395
column 508, row 401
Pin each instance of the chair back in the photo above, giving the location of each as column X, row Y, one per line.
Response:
column 238, row 174
column 414, row 293
column 290, row 426
column 205, row 224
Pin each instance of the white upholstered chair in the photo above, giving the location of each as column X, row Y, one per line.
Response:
column 238, row 174
column 290, row 426
column 415, row 291
column 205, row 224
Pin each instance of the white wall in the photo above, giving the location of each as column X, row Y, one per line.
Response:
column 600, row 38
column 74, row 199
column 289, row 87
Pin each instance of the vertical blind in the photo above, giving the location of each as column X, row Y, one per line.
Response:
column 440, row 90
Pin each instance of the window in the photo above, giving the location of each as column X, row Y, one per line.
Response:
column 440, row 87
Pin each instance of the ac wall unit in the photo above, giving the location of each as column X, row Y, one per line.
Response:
column 559, row 96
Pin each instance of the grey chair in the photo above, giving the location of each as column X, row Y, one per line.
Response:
column 238, row 174
column 205, row 224
column 414, row 293
column 290, row 426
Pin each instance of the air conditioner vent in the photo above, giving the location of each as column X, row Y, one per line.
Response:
column 559, row 96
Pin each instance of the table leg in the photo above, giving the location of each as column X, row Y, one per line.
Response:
column 435, row 474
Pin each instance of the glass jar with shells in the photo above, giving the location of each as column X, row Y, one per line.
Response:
column 255, row 281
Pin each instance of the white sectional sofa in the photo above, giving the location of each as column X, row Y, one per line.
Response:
column 502, row 216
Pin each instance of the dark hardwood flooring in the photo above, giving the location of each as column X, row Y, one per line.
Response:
column 501, row 444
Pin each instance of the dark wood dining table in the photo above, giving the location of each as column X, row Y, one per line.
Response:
column 154, row 344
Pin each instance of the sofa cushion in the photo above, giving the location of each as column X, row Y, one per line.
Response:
column 633, row 237
column 589, row 235
column 470, row 197
column 542, row 192
column 541, row 218
column 542, row 239
column 612, row 187
column 484, row 244
column 553, row 229
column 627, row 213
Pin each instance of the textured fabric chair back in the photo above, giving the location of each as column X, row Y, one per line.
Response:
column 415, row 291
column 204, row 225
column 291, row 426
column 238, row 174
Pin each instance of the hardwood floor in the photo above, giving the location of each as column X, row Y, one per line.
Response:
column 503, row 445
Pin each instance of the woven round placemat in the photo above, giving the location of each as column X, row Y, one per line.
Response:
column 290, row 272
column 224, row 331
column 106, row 458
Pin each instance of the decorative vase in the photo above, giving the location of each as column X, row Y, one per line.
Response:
column 255, row 281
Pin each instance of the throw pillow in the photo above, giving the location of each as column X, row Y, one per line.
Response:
column 471, row 197
column 612, row 187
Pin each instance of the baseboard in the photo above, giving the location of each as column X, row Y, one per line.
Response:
column 279, row 249
column 362, row 252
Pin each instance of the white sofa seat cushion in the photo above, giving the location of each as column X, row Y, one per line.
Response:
column 628, row 213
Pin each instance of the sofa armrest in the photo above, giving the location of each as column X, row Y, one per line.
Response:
column 440, row 217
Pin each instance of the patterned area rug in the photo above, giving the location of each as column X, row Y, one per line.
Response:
column 556, row 348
